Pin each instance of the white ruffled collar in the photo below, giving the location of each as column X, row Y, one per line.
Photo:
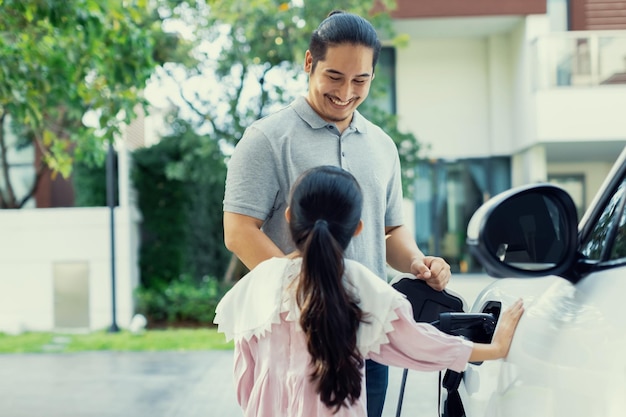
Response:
column 256, row 302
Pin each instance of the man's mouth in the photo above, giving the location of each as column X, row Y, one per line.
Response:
column 339, row 102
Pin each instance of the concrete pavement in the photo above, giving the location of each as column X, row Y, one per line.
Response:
column 150, row 384
column 162, row 384
column 108, row 384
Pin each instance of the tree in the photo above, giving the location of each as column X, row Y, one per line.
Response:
column 250, row 55
column 62, row 60
column 253, row 51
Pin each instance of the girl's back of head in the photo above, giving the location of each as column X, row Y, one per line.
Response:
column 325, row 194
column 324, row 214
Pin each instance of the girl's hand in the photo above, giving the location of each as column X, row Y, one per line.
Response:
column 507, row 323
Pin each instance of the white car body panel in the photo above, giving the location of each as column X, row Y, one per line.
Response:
column 568, row 355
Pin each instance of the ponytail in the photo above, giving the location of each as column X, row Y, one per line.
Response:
column 330, row 319
column 329, row 314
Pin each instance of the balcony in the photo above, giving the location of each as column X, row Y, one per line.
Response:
column 580, row 59
column 579, row 87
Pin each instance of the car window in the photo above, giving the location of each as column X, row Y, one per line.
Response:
column 618, row 251
column 604, row 234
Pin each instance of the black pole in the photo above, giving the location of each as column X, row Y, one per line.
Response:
column 110, row 173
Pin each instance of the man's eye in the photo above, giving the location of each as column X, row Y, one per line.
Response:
column 359, row 81
column 335, row 78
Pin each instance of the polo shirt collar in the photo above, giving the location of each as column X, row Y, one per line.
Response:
column 306, row 113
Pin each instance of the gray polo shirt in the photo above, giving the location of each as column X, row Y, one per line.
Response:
column 275, row 150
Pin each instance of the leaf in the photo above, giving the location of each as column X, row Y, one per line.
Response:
column 62, row 59
column 48, row 138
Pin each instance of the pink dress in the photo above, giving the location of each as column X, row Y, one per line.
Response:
column 271, row 364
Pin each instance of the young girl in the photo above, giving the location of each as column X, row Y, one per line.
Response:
column 304, row 324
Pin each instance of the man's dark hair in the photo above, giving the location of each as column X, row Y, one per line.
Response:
column 341, row 28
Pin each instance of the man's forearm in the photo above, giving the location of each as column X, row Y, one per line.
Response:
column 244, row 238
column 254, row 248
column 401, row 249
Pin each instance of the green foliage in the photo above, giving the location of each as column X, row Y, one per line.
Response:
column 64, row 59
column 180, row 187
column 254, row 64
column 150, row 340
column 90, row 184
column 162, row 203
column 256, row 56
column 183, row 300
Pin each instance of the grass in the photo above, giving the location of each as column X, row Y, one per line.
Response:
column 150, row 340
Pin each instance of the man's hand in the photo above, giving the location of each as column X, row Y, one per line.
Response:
column 404, row 256
column 434, row 270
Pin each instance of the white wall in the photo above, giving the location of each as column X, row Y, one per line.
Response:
column 34, row 239
column 499, row 74
column 470, row 92
column 444, row 95
column 581, row 114
column 464, row 96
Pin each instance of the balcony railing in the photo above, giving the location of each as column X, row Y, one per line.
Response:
column 579, row 59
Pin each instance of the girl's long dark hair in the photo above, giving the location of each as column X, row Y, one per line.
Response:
column 325, row 212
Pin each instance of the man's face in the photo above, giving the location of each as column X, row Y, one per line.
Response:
column 340, row 82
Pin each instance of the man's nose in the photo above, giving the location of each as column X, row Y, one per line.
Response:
column 345, row 91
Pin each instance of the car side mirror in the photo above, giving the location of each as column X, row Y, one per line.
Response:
column 526, row 231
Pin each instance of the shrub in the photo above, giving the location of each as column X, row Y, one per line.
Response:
column 182, row 301
column 180, row 187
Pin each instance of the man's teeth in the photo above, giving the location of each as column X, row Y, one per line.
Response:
column 339, row 102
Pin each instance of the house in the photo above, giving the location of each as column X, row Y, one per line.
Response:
column 505, row 93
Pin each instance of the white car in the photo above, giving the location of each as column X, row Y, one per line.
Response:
column 568, row 357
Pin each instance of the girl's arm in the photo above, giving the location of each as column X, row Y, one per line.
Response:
column 422, row 347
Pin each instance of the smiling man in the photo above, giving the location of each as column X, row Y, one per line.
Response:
column 325, row 128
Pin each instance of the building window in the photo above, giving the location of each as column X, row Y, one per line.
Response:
column 447, row 193
column 383, row 94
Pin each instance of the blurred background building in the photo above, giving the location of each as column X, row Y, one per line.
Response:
column 500, row 93
column 506, row 93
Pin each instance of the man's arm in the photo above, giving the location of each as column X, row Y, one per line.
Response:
column 243, row 236
column 404, row 256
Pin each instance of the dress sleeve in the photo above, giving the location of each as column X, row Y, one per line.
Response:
column 421, row 346
column 244, row 364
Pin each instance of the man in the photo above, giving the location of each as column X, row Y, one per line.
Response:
column 325, row 128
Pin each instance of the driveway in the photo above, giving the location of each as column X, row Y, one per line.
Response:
column 149, row 384
column 162, row 384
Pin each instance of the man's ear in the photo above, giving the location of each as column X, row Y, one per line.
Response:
column 288, row 214
column 308, row 62
column 359, row 228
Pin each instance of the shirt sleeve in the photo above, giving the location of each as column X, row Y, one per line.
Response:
column 251, row 181
column 244, row 363
column 394, row 215
column 421, row 346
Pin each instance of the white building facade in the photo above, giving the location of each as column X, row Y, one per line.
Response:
column 506, row 94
